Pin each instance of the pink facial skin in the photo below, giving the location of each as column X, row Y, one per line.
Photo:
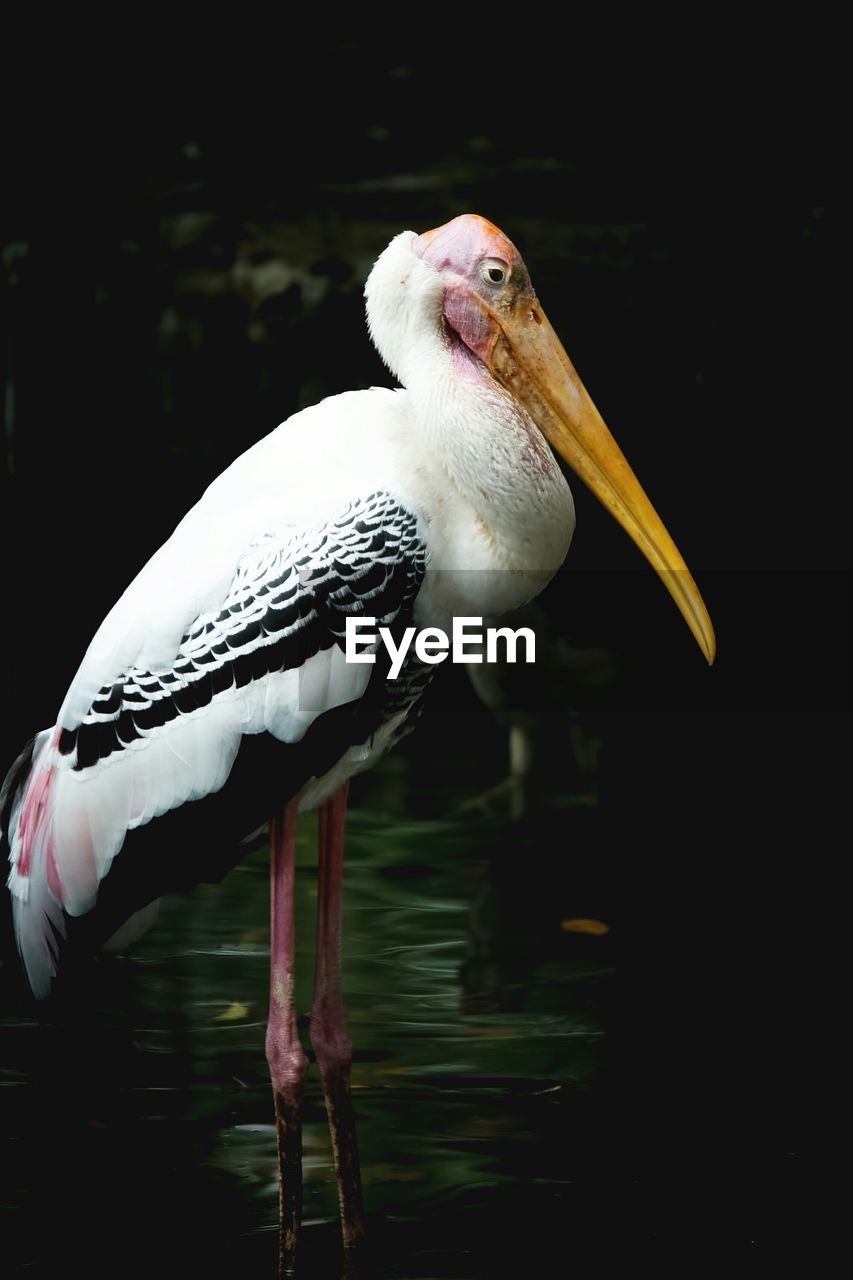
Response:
column 458, row 251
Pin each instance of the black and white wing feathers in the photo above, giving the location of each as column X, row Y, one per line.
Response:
column 268, row 660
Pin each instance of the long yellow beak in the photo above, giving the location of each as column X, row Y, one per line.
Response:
column 529, row 360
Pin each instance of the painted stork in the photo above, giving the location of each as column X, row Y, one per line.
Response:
column 216, row 697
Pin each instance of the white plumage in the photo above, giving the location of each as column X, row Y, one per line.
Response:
column 447, row 452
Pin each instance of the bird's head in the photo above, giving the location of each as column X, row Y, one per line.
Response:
column 490, row 306
column 485, row 282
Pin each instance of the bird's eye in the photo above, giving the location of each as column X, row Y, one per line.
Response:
column 493, row 272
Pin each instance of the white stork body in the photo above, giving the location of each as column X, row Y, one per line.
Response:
column 493, row 516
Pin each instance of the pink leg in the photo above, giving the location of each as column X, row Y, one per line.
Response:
column 286, row 1060
column 329, row 1034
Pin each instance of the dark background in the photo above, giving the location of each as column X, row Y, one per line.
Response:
column 183, row 270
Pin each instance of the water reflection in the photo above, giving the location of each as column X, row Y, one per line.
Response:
column 476, row 1023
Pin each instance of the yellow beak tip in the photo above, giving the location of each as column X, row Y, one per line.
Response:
column 708, row 644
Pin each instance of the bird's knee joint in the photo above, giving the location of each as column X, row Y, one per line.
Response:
column 332, row 1045
column 287, row 1064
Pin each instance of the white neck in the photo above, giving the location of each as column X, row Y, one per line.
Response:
column 486, row 443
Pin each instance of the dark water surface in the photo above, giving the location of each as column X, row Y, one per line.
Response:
column 139, row 1127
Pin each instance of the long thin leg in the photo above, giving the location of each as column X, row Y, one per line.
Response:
column 329, row 1034
column 287, row 1062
